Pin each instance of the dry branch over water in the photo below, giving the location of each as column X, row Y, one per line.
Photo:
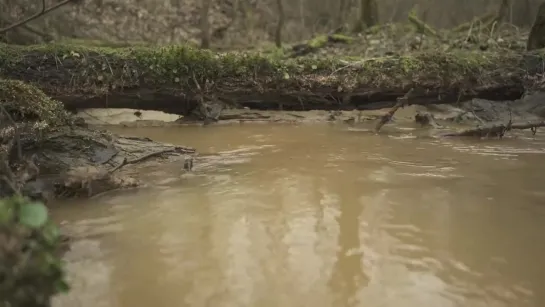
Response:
column 164, row 78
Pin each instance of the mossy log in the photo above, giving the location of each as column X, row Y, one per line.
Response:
column 176, row 79
column 318, row 42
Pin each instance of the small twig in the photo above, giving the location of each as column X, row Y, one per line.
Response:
column 111, row 157
column 469, row 32
column 9, row 178
column 10, row 184
column 123, row 163
column 43, row 11
column 401, row 102
column 142, row 158
column 196, row 83
column 17, row 132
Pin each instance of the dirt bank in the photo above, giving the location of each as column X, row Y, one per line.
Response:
column 180, row 79
column 45, row 152
column 476, row 117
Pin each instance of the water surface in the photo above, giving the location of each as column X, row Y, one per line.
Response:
column 318, row 216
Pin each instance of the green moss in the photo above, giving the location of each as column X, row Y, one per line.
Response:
column 320, row 41
column 342, row 38
column 96, row 71
column 30, row 102
column 100, row 43
column 31, row 269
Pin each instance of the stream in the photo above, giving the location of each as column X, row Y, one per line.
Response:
column 317, row 215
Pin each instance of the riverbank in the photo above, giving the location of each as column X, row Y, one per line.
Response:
column 47, row 153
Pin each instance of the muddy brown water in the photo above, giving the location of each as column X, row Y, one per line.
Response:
column 318, row 215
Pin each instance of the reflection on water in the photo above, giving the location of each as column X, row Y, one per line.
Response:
column 319, row 216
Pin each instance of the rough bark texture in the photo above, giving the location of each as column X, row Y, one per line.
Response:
column 536, row 38
column 177, row 79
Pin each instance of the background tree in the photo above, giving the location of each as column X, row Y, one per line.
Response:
column 368, row 15
column 280, row 24
column 205, row 24
column 159, row 22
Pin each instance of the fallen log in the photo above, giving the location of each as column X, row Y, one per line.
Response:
column 318, row 42
column 177, row 79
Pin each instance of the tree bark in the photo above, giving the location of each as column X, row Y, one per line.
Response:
column 536, row 38
column 368, row 15
column 205, row 24
column 339, row 20
column 280, row 24
column 177, row 79
column 503, row 11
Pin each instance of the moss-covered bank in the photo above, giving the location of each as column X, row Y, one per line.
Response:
column 45, row 153
column 175, row 79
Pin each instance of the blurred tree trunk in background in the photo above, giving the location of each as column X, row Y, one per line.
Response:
column 205, row 25
column 536, row 39
column 504, row 11
column 280, row 24
column 238, row 22
column 340, row 18
column 368, row 15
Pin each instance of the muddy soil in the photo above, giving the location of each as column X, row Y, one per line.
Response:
column 464, row 115
column 85, row 162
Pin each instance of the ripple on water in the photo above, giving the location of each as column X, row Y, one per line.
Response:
column 322, row 220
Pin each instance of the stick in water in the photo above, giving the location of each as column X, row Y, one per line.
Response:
column 401, row 102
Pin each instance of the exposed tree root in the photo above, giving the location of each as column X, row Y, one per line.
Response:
column 496, row 130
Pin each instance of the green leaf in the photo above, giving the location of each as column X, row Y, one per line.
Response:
column 61, row 286
column 51, row 233
column 33, row 215
column 286, row 76
column 6, row 212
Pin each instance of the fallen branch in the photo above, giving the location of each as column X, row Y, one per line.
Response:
column 142, row 158
column 496, row 130
column 401, row 102
column 483, row 21
column 421, row 26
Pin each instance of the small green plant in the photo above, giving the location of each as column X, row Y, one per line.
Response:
column 31, row 269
